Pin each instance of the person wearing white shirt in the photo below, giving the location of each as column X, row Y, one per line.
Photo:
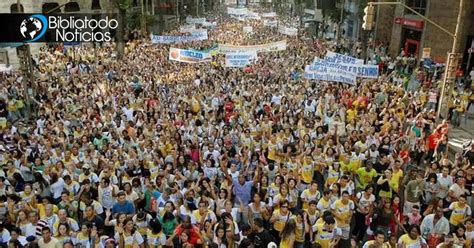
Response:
column 435, row 224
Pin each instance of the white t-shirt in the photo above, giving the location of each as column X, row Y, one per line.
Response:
column 57, row 188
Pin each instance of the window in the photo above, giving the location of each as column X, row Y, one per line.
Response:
column 417, row 5
column 14, row 8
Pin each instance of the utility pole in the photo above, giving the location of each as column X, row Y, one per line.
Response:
column 453, row 56
column 450, row 70
column 341, row 18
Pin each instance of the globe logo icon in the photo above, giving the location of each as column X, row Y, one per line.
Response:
column 33, row 27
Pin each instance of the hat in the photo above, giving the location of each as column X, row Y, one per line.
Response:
column 86, row 166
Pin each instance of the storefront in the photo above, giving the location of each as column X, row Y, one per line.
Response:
column 411, row 35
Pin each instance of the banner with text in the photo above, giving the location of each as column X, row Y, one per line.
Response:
column 341, row 58
column 192, row 20
column 240, row 60
column 270, row 23
column 288, row 31
column 188, row 28
column 269, row 15
column 324, row 70
column 189, row 56
column 237, row 11
column 269, row 47
column 164, row 39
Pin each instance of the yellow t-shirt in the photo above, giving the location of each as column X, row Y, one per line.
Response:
column 410, row 243
column 281, row 221
column 458, row 213
column 324, row 237
column 307, row 171
column 395, row 180
column 307, row 196
column 285, row 243
column 299, row 232
column 344, row 212
column 156, row 240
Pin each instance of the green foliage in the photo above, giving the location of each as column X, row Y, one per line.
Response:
column 335, row 14
column 133, row 19
column 123, row 5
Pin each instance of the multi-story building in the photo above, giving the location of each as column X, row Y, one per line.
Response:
column 406, row 31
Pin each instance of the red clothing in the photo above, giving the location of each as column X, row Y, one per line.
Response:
column 193, row 234
column 433, row 140
column 397, row 214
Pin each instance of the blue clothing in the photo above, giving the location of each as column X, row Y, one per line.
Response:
column 243, row 191
column 127, row 208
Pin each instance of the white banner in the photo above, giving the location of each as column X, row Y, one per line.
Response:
column 269, row 47
column 240, row 60
column 189, row 56
column 288, row 31
column 188, row 28
column 269, row 15
column 247, row 29
column 198, row 34
column 237, row 11
column 324, row 70
column 192, row 20
column 270, row 23
column 341, row 58
column 352, row 64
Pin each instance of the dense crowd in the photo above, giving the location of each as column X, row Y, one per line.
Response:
column 145, row 152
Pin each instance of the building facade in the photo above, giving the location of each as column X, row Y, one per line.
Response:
column 407, row 32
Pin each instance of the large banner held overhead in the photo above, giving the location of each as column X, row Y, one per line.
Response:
column 352, row 64
column 270, row 23
column 192, row 20
column 324, row 70
column 189, row 56
column 341, row 58
column 164, row 39
column 288, row 31
column 269, row 15
column 240, row 60
column 188, row 28
column 330, row 77
column 237, row 11
column 269, row 47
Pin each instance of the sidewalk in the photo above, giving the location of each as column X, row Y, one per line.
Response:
column 464, row 133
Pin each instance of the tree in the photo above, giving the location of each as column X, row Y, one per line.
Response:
column 122, row 7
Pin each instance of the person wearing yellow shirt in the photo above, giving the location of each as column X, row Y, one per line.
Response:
column 412, row 239
column 310, row 194
column 327, row 235
column 397, row 175
column 280, row 217
column 351, row 114
column 288, row 234
column 200, row 215
column 365, row 175
column 460, row 211
column 342, row 210
column 302, row 228
column 377, row 242
column 155, row 235
column 306, row 171
column 324, row 203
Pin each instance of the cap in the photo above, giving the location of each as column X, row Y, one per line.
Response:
column 86, row 166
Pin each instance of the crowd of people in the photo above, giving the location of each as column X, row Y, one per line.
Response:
column 145, row 152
